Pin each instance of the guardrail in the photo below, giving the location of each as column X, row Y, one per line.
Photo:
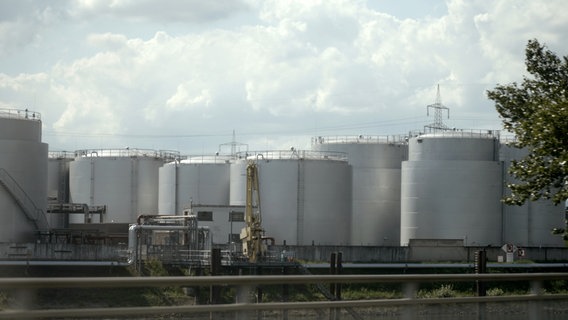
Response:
column 293, row 154
column 362, row 139
column 167, row 155
column 20, row 114
column 531, row 303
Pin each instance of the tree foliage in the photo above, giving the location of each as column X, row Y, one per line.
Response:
column 536, row 111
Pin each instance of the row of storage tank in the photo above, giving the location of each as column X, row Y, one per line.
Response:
column 345, row 191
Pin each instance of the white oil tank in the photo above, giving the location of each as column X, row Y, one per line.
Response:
column 58, row 185
column 531, row 223
column 123, row 180
column 376, row 168
column 451, row 188
column 23, row 176
column 305, row 195
column 196, row 180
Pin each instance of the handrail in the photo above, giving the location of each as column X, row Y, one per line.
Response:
column 293, row 154
column 167, row 155
column 32, row 212
column 251, row 281
column 20, row 114
column 360, row 139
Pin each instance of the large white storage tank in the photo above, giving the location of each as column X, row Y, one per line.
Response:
column 305, row 195
column 451, row 188
column 531, row 223
column 123, row 180
column 376, row 168
column 195, row 180
column 23, row 176
column 58, row 185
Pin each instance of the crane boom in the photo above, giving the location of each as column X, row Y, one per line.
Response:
column 252, row 233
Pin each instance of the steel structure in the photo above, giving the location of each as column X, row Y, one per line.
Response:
column 252, row 234
column 438, row 124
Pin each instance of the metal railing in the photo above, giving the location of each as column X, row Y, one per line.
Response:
column 460, row 133
column 531, row 303
column 167, row 155
column 293, row 154
column 362, row 139
column 60, row 155
column 20, row 114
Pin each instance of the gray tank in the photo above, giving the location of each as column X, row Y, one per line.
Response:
column 123, row 180
column 305, row 195
column 531, row 223
column 451, row 188
column 197, row 180
column 376, row 168
column 23, row 176
column 58, row 185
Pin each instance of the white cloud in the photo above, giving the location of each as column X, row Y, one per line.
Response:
column 299, row 68
column 163, row 11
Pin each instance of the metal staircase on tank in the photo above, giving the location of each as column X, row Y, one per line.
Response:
column 32, row 212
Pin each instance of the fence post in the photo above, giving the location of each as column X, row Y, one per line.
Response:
column 409, row 290
column 535, row 305
column 480, row 268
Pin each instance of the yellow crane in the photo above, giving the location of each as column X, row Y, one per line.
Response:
column 252, row 238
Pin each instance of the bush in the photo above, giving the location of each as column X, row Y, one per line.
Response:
column 494, row 292
column 444, row 291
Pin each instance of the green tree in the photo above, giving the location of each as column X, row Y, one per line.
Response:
column 536, row 111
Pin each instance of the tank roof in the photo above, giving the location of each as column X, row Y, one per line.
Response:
column 20, row 114
column 362, row 139
column 206, row 159
column 293, row 154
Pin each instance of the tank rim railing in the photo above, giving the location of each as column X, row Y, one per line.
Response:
column 61, row 154
column 293, row 154
column 362, row 139
column 168, row 155
column 20, row 114
column 458, row 133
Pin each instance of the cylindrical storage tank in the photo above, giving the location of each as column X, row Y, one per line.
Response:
column 305, row 196
column 376, row 165
column 531, row 223
column 199, row 180
column 124, row 180
column 238, row 181
column 451, row 191
column 58, row 185
column 23, row 176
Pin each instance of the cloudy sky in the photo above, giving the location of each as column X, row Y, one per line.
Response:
column 182, row 75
